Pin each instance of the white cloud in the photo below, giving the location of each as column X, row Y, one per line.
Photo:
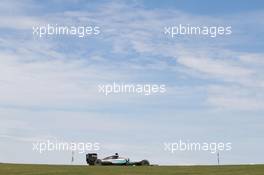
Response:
column 215, row 68
column 236, row 97
column 20, row 22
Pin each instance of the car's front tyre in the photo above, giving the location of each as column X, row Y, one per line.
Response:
column 144, row 163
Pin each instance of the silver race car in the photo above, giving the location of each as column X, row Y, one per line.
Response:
column 92, row 159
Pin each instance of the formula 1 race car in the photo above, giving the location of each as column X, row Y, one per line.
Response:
column 92, row 159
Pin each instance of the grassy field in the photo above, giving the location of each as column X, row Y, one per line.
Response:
column 17, row 169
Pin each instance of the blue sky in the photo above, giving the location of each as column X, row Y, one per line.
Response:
column 208, row 7
column 48, row 86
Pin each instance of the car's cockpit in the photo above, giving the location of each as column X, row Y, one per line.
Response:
column 116, row 156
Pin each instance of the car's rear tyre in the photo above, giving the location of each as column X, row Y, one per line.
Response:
column 98, row 162
column 144, row 163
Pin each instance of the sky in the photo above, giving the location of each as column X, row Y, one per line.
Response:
column 49, row 85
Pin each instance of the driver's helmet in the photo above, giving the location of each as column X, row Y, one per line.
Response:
column 116, row 155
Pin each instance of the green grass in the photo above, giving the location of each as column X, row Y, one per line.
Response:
column 18, row 169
